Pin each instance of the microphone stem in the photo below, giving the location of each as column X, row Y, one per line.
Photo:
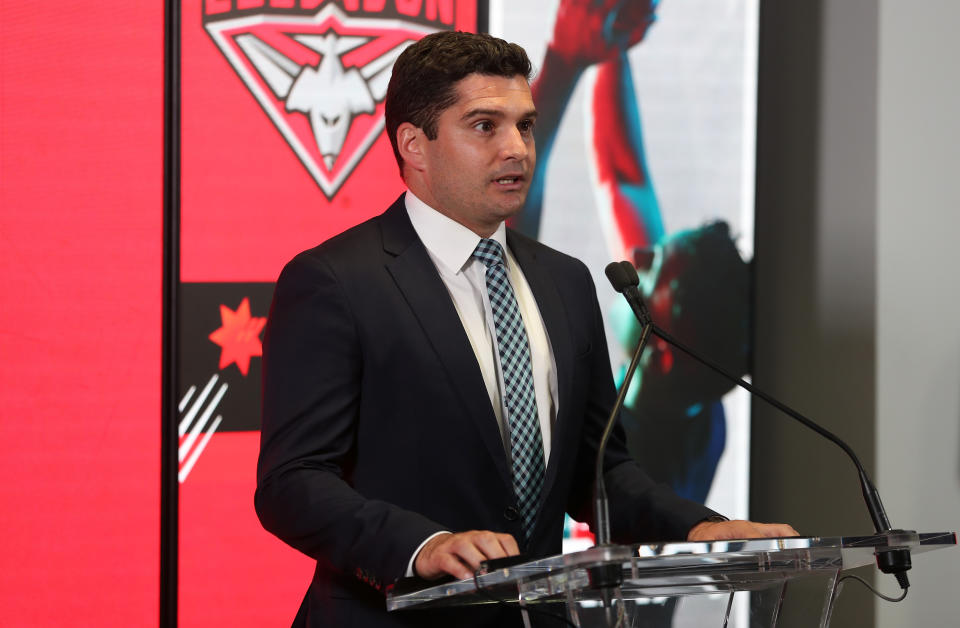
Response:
column 601, row 507
column 623, row 277
column 870, row 494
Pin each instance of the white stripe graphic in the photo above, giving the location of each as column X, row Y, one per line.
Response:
column 185, row 471
column 192, row 437
column 186, row 398
column 188, row 419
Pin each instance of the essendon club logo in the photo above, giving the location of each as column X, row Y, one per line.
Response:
column 321, row 75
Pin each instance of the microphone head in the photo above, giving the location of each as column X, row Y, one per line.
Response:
column 618, row 276
column 630, row 272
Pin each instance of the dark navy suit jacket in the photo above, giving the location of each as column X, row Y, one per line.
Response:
column 378, row 431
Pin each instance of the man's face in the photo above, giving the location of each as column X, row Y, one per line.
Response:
column 479, row 167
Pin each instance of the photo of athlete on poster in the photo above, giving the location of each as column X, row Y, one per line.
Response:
column 693, row 255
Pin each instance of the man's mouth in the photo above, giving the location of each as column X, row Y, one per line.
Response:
column 508, row 180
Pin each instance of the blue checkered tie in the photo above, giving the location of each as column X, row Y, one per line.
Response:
column 526, row 446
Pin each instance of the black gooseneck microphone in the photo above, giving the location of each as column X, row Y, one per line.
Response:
column 623, row 277
column 601, row 507
column 607, row 577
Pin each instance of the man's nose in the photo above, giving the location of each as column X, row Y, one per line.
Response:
column 515, row 144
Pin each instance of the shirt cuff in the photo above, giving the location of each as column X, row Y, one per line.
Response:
column 714, row 519
column 410, row 571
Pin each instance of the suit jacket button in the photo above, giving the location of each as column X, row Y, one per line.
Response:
column 510, row 513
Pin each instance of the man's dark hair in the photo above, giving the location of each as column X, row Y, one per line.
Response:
column 424, row 76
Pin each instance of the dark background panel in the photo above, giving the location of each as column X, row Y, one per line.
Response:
column 200, row 356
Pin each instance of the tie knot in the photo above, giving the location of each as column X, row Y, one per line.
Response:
column 489, row 252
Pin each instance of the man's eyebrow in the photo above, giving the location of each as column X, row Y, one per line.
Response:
column 494, row 113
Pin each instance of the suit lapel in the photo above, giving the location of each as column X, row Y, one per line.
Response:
column 418, row 280
column 554, row 315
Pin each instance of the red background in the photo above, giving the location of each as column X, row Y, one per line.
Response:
column 81, row 162
column 248, row 207
column 81, row 140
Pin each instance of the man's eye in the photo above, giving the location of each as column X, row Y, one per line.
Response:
column 526, row 126
column 484, row 126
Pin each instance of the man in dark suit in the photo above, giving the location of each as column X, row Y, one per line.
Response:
column 436, row 385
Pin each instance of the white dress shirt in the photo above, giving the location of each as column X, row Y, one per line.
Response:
column 450, row 246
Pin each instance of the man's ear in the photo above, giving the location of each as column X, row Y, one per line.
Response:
column 411, row 143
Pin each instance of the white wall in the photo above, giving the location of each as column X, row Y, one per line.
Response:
column 918, row 294
column 815, row 277
column 858, row 305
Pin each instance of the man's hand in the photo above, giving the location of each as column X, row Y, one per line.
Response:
column 461, row 554
column 739, row 529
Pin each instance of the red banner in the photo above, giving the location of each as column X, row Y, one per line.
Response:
column 283, row 147
column 81, row 149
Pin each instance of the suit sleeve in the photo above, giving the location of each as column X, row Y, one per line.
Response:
column 640, row 509
column 312, row 382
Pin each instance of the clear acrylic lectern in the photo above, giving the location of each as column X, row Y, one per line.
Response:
column 606, row 586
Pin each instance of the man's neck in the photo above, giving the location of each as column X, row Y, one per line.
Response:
column 484, row 231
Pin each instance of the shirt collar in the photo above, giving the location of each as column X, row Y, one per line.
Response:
column 449, row 242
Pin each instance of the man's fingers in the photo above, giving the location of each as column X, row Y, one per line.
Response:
column 738, row 529
column 494, row 545
column 437, row 559
column 473, row 549
column 509, row 544
column 450, row 563
column 461, row 554
column 776, row 529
